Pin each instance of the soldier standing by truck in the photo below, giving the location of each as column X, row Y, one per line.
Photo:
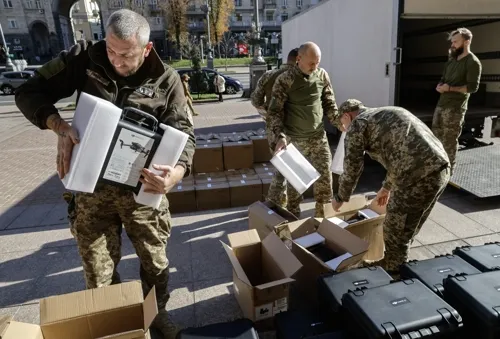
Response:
column 125, row 70
column 417, row 167
column 305, row 93
column 260, row 99
column 461, row 76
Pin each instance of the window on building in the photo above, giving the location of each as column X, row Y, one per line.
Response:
column 284, row 3
column 29, row 4
column 284, row 17
column 299, row 3
column 96, row 36
column 138, row 3
column 239, row 17
column 237, row 3
column 269, row 16
column 157, row 20
column 77, row 6
column 13, row 23
column 7, row 3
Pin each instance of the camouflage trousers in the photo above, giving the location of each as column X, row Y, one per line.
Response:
column 407, row 211
column 447, row 126
column 317, row 152
column 96, row 222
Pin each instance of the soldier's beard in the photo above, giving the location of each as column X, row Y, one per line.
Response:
column 454, row 53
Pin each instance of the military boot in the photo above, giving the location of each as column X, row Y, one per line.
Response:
column 165, row 325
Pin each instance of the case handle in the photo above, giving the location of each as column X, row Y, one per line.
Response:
column 146, row 116
column 391, row 330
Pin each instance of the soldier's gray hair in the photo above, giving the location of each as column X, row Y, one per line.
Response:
column 464, row 32
column 127, row 24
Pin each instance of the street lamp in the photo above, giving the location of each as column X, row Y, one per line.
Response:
column 210, row 58
column 9, row 66
column 257, row 51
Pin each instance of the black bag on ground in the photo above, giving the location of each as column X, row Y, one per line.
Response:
column 241, row 329
column 332, row 286
column 404, row 309
column 477, row 299
column 433, row 271
column 302, row 325
column 485, row 257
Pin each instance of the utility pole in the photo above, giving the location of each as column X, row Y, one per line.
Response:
column 258, row 65
column 210, row 59
column 9, row 66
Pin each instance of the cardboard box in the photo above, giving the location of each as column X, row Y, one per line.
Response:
column 233, row 136
column 116, row 311
column 262, row 271
column 206, row 178
column 266, row 183
column 208, row 142
column 238, row 154
column 187, row 180
column 261, row 150
column 348, row 250
column 208, row 158
column 244, row 192
column 371, row 230
column 213, row 196
column 182, row 198
column 267, row 217
column 264, row 167
column 266, row 175
column 245, row 174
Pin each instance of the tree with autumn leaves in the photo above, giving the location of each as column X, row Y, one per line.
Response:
column 220, row 11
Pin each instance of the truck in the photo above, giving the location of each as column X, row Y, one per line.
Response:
column 392, row 53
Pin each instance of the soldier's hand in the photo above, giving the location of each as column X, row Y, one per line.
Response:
column 67, row 138
column 281, row 144
column 161, row 183
column 383, row 196
column 337, row 205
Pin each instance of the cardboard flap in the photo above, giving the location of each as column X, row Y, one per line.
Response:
column 281, row 255
column 243, row 238
column 342, row 238
column 136, row 334
column 265, row 213
column 240, row 273
column 4, row 323
column 275, row 283
column 17, row 330
column 149, row 308
column 356, row 202
column 303, row 227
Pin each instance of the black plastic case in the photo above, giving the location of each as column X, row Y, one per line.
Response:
column 404, row 309
column 300, row 325
column 238, row 329
column 477, row 299
column 485, row 257
column 432, row 272
column 332, row 286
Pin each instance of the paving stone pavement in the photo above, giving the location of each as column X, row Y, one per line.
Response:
column 38, row 256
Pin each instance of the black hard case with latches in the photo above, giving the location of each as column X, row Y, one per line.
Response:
column 139, row 122
column 485, row 257
column 477, row 299
column 305, row 325
column 403, row 309
column 433, row 271
column 237, row 329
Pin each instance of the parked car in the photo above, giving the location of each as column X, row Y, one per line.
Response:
column 9, row 81
column 233, row 86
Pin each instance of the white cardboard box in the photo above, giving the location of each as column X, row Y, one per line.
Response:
column 95, row 120
column 295, row 168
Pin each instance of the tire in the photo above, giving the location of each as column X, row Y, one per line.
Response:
column 231, row 90
column 7, row 90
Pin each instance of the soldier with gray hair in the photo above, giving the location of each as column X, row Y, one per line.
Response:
column 417, row 165
column 125, row 70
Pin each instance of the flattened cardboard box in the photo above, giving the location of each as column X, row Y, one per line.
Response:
column 371, row 230
column 238, row 154
column 261, row 151
column 182, row 198
column 262, row 271
column 267, row 217
column 244, row 192
column 208, row 158
column 213, row 196
column 116, row 311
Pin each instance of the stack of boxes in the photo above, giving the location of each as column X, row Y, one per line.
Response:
column 229, row 170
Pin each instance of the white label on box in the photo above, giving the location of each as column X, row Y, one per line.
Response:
column 209, row 140
column 263, row 311
column 266, row 169
column 128, row 157
column 239, row 142
column 179, row 187
column 244, row 176
column 242, row 181
column 234, row 132
column 205, row 145
column 334, row 263
column 280, row 305
column 264, row 164
column 209, row 185
column 269, row 173
column 209, row 179
column 270, row 212
column 339, row 222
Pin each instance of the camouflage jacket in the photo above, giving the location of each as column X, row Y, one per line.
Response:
column 261, row 96
column 155, row 89
column 280, row 95
column 398, row 140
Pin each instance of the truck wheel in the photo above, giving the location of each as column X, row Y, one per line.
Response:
column 7, row 90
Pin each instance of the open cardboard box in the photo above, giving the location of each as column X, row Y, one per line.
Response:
column 262, row 271
column 371, row 230
column 267, row 217
column 111, row 312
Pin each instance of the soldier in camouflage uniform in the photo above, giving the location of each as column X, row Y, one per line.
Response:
column 125, row 70
column 300, row 98
column 417, row 165
column 277, row 189
column 461, row 77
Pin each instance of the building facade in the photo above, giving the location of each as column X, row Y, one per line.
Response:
column 86, row 21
